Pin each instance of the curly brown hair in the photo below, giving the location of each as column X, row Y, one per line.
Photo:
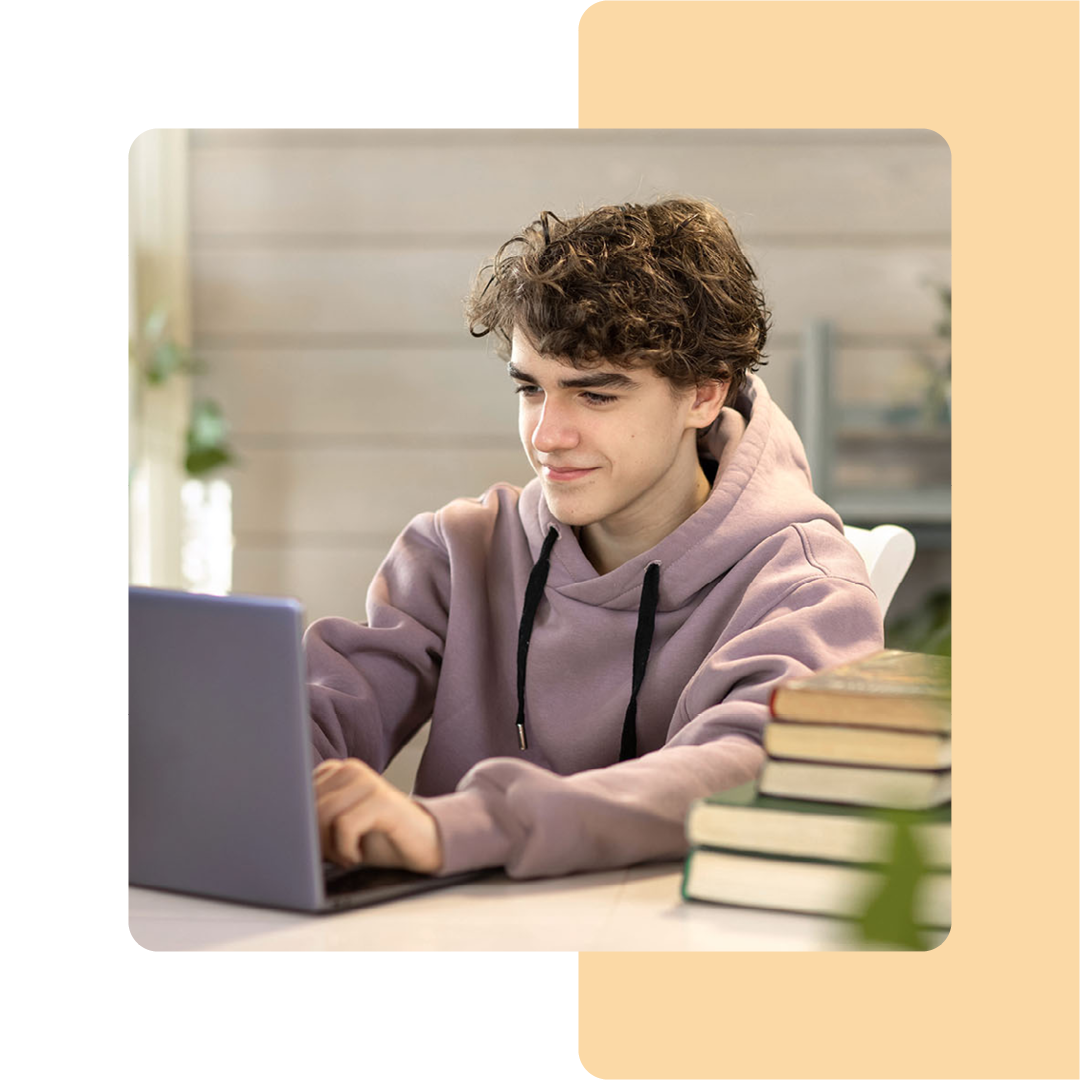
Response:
column 663, row 286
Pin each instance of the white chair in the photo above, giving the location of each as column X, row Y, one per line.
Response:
column 887, row 551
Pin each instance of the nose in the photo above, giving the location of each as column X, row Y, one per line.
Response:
column 554, row 429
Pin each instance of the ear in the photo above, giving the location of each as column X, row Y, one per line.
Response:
column 709, row 399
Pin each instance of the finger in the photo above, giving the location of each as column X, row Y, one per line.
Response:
column 364, row 829
column 337, row 772
column 330, row 780
column 342, row 767
column 329, row 807
column 388, row 829
column 343, row 772
column 346, row 837
column 377, row 849
column 345, row 790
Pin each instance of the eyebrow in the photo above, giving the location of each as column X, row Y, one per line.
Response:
column 608, row 379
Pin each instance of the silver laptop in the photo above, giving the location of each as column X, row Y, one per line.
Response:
column 221, row 801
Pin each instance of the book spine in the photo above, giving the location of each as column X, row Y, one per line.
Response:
column 862, row 878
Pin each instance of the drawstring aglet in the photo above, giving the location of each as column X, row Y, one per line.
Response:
column 521, row 737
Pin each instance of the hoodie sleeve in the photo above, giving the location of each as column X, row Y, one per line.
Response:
column 514, row 814
column 369, row 710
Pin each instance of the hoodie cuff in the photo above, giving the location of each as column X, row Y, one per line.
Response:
column 470, row 838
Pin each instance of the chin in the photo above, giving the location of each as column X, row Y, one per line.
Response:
column 575, row 521
column 568, row 513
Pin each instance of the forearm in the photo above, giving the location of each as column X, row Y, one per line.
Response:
column 537, row 824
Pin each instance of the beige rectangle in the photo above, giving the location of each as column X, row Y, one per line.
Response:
column 877, row 291
column 328, row 579
column 360, row 489
column 492, row 187
column 428, row 393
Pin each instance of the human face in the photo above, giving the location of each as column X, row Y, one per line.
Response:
column 610, row 446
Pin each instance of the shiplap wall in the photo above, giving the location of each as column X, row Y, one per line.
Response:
column 329, row 270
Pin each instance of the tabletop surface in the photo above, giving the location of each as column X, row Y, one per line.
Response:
column 636, row 909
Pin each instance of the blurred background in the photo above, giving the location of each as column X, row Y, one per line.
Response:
column 302, row 382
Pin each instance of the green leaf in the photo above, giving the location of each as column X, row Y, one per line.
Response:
column 154, row 326
column 208, row 426
column 203, row 460
column 207, row 434
column 164, row 360
column 928, row 629
column 889, row 917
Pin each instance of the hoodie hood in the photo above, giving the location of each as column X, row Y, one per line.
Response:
column 762, row 485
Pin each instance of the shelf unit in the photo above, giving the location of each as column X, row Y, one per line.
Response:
column 906, row 467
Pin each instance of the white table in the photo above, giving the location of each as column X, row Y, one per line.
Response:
column 619, row 910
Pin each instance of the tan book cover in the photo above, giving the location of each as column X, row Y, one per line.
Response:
column 891, row 688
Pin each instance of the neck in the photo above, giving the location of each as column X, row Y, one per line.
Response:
column 608, row 544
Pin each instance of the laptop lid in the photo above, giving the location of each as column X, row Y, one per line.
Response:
column 220, row 793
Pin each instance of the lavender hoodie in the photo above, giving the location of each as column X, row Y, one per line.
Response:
column 757, row 586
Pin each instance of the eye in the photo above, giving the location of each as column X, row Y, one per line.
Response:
column 529, row 390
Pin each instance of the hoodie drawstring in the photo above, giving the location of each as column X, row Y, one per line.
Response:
column 534, row 591
column 650, row 594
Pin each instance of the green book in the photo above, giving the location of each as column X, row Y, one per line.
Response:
column 744, row 820
column 841, row 890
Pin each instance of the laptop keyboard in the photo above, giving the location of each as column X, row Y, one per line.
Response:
column 347, row 879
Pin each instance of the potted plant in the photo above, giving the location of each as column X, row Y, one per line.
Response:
column 177, row 440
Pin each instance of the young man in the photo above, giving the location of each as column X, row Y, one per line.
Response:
column 597, row 649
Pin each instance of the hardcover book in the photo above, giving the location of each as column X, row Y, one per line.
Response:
column 902, row 789
column 890, row 689
column 814, row 830
column 858, row 745
column 815, row 888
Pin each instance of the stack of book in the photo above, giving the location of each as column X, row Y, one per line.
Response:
column 857, row 756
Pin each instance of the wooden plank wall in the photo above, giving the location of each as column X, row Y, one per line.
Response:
column 329, row 270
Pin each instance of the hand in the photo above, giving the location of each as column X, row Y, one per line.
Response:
column 365, row 819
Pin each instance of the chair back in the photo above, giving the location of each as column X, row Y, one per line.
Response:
column 888, row 551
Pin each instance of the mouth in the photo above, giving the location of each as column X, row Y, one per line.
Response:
column 564, row 474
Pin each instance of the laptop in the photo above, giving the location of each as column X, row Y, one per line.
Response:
column 220, row 796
